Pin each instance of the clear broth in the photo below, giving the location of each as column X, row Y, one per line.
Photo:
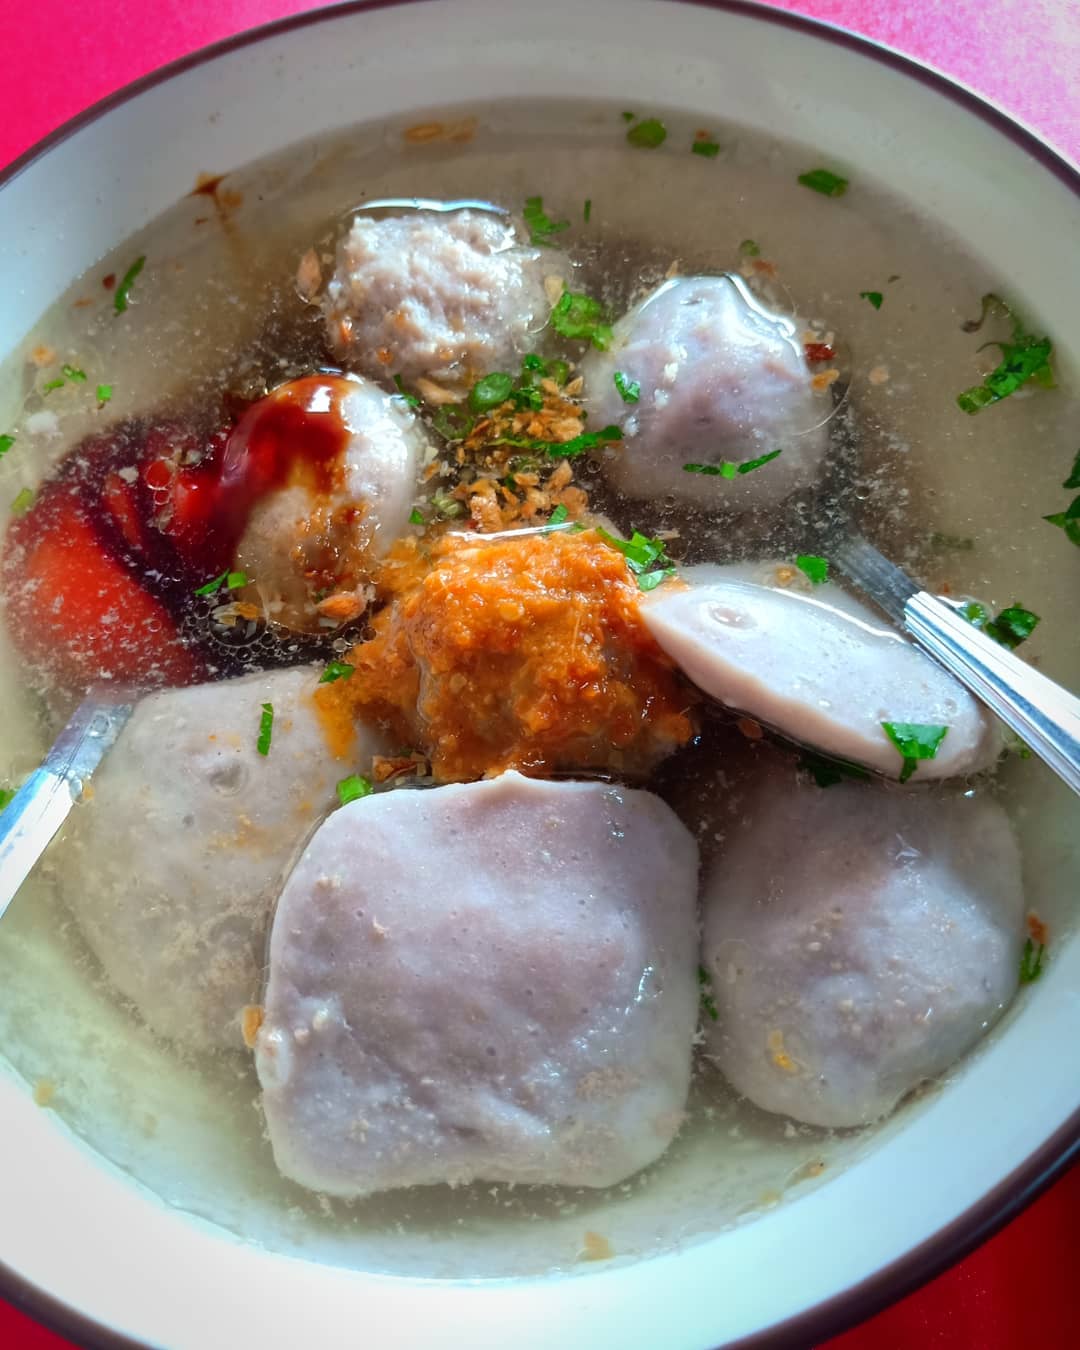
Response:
column 215, row 308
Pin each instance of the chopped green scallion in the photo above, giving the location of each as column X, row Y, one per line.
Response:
column 453, row 422
column 647, row 135
column 6, row 795
column 915, row 741
column 123, row 291
column 629, row 390
column 336, row 670
column 6, row 442
column 588, row 440
column 489, row 392
column 1068, row 520
column 587, row 210
column 58, row 383
column 642, row 554
column 1009, row 628
column 749, row 249
column 821, row 180
column 1031, row 961
column 875, row 297
column 726, row 469
column 266, row 729
column 828, row 772
column 541, row 226
column 410, row 399
column 706, row 149
column 104, row 393
column 23, row 502
column 558, row 515
column 74, row 374
column 580, row 316
column 416, row 517
column 817, row 569
column 708, row 1002
column 354, row 787
column 1025, row 357
column 230, row 580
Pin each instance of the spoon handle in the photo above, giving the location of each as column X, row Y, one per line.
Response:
column 1044, row 716
column 43, row 802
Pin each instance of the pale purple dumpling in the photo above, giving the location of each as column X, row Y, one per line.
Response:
column 858, row 941
column 720, row 379
column 492, row 980
column 172, row 864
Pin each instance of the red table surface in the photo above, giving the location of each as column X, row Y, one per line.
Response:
column 57, row 56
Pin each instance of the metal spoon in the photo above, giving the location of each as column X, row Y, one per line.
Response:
column 1044, row 716
column 42, row 804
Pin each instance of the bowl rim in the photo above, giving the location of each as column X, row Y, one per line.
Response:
column 1035, row 1173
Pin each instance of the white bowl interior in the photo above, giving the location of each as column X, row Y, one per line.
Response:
column 85, row 1229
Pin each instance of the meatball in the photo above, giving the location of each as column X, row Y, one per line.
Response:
column 525, row 651
column 819, row 667
column 493, row 980
column 858, row 941
column 172, row 865
column 332, row 464
column 721, row 379
column 427, row 295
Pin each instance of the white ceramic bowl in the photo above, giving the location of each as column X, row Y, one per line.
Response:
column 88, row 1248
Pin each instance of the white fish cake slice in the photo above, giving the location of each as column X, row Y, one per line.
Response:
column 172, row 864
column 859, row 940
column 492, row 980
column 819, row 667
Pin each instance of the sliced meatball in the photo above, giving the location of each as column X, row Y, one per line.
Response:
column 858, row 940
column 332, row 462
column 487, row 981
column 446, row 297
column 818, row 666
column 172, row 864
column 721, row 379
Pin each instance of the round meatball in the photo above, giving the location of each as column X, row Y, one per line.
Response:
column 524, row 651
column 333, row 462
column 858, row 941
column 721, row 379
column 173, row 864
column 447, row 297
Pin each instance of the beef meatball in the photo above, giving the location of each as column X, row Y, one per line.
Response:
column 721, row 379
column 448, row 297
column 332, row 464
column 858, row 940
column 486, row 981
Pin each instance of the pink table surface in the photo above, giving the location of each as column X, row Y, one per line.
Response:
column 58, row 56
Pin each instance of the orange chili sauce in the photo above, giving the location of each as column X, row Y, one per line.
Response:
column 525, row 653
